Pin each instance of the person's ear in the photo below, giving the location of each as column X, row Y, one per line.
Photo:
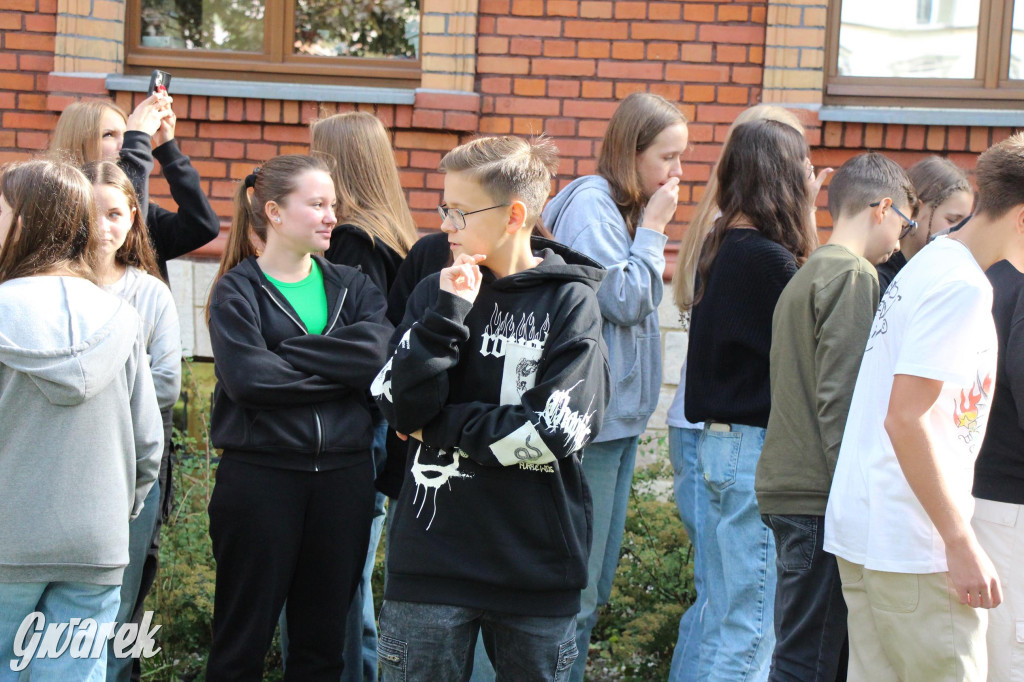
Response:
column 273, row 212
column 878, row 212
column 1018, row 218
column 516, row 217
column 131, row 218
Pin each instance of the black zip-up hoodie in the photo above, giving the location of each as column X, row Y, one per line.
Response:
column 494, row 512
column 286, row 398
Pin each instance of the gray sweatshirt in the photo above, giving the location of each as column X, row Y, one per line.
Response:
column 584, row 217
column 80, row 430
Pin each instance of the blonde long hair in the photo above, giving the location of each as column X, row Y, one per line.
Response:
column 77, row 133
column 365, row 176
column 707, row 208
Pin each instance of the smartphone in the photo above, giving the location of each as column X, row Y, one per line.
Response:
column 159, row 80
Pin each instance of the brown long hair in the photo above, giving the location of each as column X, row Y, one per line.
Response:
column 77, row 133
column 137, row 250
column 273, row 181
column 762, row 180
column 707, row 209
column 52, row 220
column 631, row 130
column 365, row 176
column 935, row 179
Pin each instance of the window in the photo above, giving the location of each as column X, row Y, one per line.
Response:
column 926, row 53
column 335, row 41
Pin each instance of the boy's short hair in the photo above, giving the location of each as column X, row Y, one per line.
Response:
column 1000, row 175
column 865, row 179
column 508, row 168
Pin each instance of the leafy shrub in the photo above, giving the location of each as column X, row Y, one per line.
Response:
column 636, row 631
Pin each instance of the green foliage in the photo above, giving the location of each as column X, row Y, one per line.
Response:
column 653, row 587
column 634, row 636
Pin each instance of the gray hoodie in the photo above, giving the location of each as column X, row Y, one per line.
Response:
column 80, row 430
column 584, row 217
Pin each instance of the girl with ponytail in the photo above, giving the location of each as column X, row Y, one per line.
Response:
column 296, row 341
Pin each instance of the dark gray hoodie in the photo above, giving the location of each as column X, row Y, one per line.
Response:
column 80, row 430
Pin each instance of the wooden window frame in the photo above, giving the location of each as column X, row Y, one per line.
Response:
column 988, row 89
column 274, row 63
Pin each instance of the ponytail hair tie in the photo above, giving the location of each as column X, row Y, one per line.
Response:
column 250, row 179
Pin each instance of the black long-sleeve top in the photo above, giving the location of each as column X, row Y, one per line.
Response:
column 999, row 469
column 173, row 234
column 731, row 331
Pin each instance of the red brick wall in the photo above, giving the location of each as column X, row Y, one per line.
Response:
column 557, row 66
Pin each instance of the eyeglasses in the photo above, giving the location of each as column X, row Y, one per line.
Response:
column 457, row 217
column 909, row 228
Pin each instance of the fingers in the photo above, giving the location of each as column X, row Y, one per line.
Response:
column 819, row 179
column 466, row 259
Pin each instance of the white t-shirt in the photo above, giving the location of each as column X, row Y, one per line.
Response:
column 934, row 321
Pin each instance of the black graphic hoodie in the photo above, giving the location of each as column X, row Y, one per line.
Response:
column 286, row 398
column 494, row 512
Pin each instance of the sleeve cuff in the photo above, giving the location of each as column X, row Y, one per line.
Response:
column 452, row 307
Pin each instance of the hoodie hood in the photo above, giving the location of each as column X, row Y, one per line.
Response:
column 70, row 337
column 559, row 263
column 580, row 185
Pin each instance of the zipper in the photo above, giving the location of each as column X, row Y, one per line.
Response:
column 283, row 309
column 319, row 439
column 337, row 312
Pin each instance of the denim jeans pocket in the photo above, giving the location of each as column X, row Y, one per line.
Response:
column 392, row 656
column 718, row 455
column 796, row 537
column 567, row 655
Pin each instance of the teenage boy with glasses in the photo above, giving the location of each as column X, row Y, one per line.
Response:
column 819, row 329
column 499, row 377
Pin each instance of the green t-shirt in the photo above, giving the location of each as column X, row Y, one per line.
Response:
column 308, row 298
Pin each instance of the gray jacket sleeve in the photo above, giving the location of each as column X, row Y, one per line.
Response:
column 164, row 347
column 146, row 422
column 633, row 287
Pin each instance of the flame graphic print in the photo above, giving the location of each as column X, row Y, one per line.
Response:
column 968, row 409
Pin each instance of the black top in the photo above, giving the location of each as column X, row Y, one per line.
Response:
column 353, row 246
column 428, row 255
column 286, row 398
column 999, row 470
column 887, row 270
column 195, row 223
column 731, row 331
column 494, row 512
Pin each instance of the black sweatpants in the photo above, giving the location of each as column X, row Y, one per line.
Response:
column 280, row 534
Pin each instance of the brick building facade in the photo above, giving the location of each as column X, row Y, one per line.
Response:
column 490, row 67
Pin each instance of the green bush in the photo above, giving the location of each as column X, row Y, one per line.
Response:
column 636, row 631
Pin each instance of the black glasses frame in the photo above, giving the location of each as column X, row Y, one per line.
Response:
column 909, row 228
column 460, row 222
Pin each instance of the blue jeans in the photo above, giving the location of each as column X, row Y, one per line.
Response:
column 140, row 535
column 360, row 651
column 739, row 559
column 432, row 642
column 59, row 603
column 692, row 500
column 608, row 468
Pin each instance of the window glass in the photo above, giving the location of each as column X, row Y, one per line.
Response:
column 357, row 28
column 235, row 25
column 909, row 38
column 1017, row 41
